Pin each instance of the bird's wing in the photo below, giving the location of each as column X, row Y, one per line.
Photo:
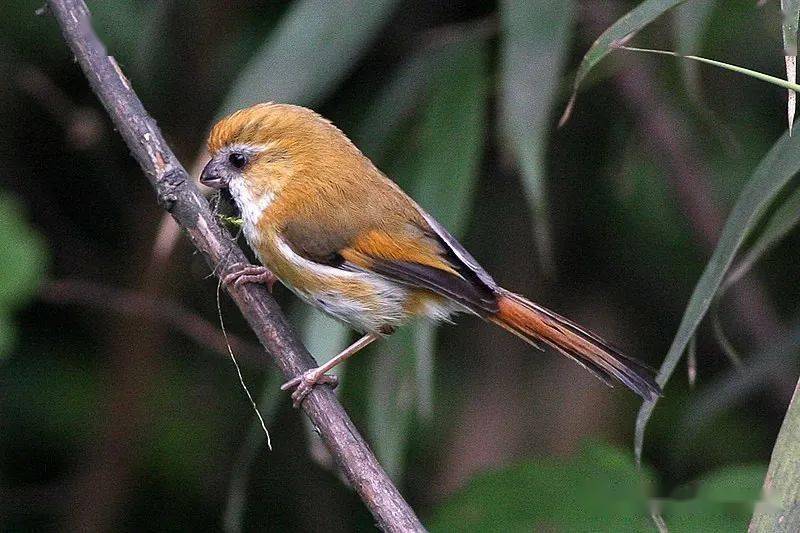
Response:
column 419, row 253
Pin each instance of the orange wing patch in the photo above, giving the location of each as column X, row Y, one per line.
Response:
column 378, row 244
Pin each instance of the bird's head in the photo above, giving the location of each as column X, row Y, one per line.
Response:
column 259, row 150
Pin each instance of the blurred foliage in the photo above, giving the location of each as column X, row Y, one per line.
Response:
column 534, row 36
column 457, row 102
column 22, row 262
column 303, row 37
column 720, row 501
column 597, row 490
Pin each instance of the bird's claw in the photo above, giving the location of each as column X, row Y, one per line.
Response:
column 250, row 274
column 305, row 383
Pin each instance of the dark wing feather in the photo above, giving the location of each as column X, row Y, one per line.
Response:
column 476, row 298
column 461, row 279
column 461, row 258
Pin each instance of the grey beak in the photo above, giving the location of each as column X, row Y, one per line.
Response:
column 212, row 176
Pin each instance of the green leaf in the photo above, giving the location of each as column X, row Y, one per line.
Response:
column 236, row 222
column 22, row 262
column 691, row 20
column 392, row 399
column 7, row 332
column 733, row 484
column 448, row 142
column 772, row 174
column 58, row 372
column 314, row 46
column 718, row 397
column 791, row 14
column 535, row 42
column 783, row 221
column 780, row 510
column 723, row 501
column 621, row 30
column 597, row 490
column 451, row 122
column 324, row 337
column 131, row 43
column 23, row 258
column 398, row 99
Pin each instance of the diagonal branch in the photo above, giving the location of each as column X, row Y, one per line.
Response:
column 178, row 195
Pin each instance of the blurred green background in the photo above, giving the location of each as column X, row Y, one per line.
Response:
column 119, row 407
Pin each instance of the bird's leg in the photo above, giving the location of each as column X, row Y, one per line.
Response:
column 303, row 383
column 242, row 274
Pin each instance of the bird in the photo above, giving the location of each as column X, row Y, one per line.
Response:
column 343, row 237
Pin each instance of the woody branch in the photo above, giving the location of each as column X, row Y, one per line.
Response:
column 177, row 193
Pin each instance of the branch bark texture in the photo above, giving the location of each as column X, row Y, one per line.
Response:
column 177, row 193
column 780, row 509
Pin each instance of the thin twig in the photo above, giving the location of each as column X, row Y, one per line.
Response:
column 177, row 193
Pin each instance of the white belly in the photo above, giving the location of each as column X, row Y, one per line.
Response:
column 385, row 307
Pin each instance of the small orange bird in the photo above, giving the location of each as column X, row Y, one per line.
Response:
column 337, row 232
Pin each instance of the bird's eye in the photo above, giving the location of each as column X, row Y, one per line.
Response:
column 238, row 160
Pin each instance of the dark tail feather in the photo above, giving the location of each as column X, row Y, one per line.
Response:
column 534, row 324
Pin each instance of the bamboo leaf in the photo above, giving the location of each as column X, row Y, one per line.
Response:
column 535, row 42
column 398, row 101
column 783, row 221
column 691, row 20
column 324, row 337
column 313, row 48
column 779, row 509
column 734, row 385
column 772, row 174
column 452, row 123
column 620, row 31
column 791, row 13
column 392, row 398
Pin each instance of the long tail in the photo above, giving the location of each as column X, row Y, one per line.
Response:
column 534, row 324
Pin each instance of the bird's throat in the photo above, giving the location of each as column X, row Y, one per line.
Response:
column 252, row 205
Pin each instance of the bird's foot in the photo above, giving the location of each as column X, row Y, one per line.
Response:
column 304, row 383
column 242, row 274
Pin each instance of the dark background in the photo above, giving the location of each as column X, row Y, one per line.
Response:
column 119, row 406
